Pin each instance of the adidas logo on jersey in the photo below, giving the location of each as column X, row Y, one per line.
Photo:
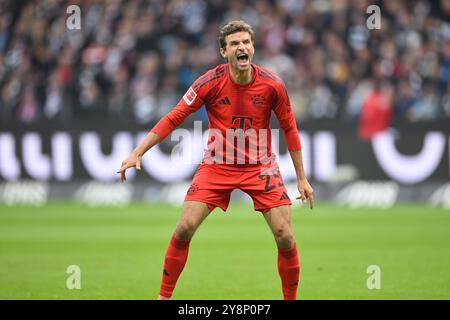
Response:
column 225, row 101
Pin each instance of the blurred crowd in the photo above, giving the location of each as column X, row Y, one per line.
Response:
column 133, row 60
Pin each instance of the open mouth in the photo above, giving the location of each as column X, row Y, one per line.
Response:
column 242, row 58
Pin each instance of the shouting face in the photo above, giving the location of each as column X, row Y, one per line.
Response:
column 239, row 50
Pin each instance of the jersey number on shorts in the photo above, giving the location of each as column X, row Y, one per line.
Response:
column 267, row 176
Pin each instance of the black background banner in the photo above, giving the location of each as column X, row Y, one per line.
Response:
column 349, row 150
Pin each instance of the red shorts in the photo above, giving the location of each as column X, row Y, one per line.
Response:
column 213, row 184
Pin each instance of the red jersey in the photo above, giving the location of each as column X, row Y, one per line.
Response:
column 238, row 115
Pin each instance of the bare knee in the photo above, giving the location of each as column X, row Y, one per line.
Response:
column 284, row 237
column 192, row 216
column 185, row 229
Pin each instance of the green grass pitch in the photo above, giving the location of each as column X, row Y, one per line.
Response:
column 233, row 255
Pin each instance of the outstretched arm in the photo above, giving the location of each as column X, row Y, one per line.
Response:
column 305, row 189
column 134, row 159
column 190, row 103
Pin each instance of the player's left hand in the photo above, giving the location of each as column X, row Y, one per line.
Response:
column 306, row 192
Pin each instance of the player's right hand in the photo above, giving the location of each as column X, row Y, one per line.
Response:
column 130, row 162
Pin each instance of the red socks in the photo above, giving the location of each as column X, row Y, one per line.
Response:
column 289, row 271
column 175, row 259
column 177, row 253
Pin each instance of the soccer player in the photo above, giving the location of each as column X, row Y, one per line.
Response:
column 239, row 97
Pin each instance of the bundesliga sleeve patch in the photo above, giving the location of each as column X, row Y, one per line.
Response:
column 189, row 96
